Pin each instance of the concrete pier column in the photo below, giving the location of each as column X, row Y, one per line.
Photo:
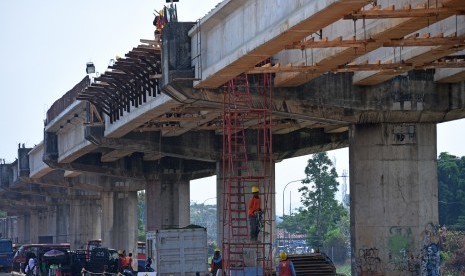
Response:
column 21, row 223
column 47, row 223
column 53, row 224
column 12, row 228
column 85, row 222
column 62, row 223
column 394, row 194
column 33, row 220
column 167, row 202
column 119, row 220
column 256, row 169
column 219, row 202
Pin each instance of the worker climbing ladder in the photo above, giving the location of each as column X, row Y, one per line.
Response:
column 247, row 101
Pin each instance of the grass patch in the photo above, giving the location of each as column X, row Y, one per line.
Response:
column 344, row 269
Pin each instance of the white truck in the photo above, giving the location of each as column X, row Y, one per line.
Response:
column 178, row 252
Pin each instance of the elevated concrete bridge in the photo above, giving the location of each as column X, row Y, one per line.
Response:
column 376, row 76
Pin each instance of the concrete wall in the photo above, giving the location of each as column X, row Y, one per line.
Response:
column 393, row 190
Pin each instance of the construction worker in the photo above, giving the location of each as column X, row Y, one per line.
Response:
column 159, row 22
column 120, row 260
column 217, row 262
column 285, row 267
column 252, row 213
column 124, row 261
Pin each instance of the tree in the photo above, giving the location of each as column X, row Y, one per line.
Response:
column 321, row 208
column 451, row 190
column 141, row 216
column 205, row 215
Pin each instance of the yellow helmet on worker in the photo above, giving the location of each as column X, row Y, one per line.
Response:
column 255, row 189
column 217, row 250
column 283, row 256
column 120, row 252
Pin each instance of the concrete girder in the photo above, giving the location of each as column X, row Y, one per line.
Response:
column 333, row 101
column 250, row 44
column 96, row 169
column 304, row 142
column 417, row 56
column 165, row 147
column 37, row 167
column 450, row 75
column 379, row 30
column 129, row 121
column 36, row 190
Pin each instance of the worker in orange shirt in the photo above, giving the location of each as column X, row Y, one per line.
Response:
column 252, row 213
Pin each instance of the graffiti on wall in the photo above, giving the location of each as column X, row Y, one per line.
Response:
column 400, row 255
column 430, row 260
column 368, row 260
column 431, row 234
column 430, row 252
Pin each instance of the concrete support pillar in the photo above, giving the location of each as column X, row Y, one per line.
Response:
column 219, row 202
column 394, row 194
column 33, row 220
column 62, row 223
column 47, row 222
column 52, row 224
column 119, row 220
column 21, row 222
column 167, row 203
column 11, row 228
column 256, row 169
column 85, row 222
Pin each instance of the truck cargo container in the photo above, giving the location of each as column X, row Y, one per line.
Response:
column 178, row 252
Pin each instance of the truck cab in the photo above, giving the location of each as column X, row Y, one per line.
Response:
column 6, row 255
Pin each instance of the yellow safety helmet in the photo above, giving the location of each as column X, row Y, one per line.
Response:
column 283, row 256
column 217, row 250
column 120, row 252
column 254, row 189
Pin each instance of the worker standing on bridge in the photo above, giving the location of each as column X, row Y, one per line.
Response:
column 254, row 208
column 159, row 22
column 285, row 267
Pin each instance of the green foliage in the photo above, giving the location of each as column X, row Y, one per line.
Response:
column 335, row 243
column 453, row 253
column 445, row 256
column 205, row 215
column 451, row 184
column 141, row 216
column 344, row 269
column 322, row 218
column 318, row 198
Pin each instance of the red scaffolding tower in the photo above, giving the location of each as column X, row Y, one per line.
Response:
column 247, row 162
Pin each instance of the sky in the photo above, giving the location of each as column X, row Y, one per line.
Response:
column 45, row 45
